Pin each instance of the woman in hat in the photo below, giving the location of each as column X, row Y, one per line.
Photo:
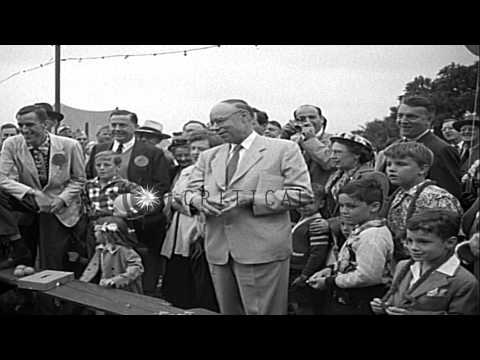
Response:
column 352, row 155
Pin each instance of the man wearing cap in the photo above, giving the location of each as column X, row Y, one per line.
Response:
column 308, row 130
column 414, row 117
column 54, row 117
column 51, row 174
column 147, row 166
column 152, row 132
column 469, row 129
column 246, row 188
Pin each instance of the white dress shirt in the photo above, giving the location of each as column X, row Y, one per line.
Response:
column 126, row 145
column 246, row 143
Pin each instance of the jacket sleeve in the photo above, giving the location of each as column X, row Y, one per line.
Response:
column 320, row 243
column 134, row 268
column 77, row 175
column 449, row 164
column 7, row 164
column 89, row 167
column 293, row 189
column 466, row 300
column 371, row 255
column 318, row 152
column 160, row 173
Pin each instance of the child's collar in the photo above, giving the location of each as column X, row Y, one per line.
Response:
column 111, row 248
column 368, row 224
column 114, row 178
column 412, row 189
column 448, row 267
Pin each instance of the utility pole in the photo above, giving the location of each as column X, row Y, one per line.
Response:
column 57, row 78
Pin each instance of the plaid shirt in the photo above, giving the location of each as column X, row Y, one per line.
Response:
column 99, row 199
column 431, row 197
column 40, row 156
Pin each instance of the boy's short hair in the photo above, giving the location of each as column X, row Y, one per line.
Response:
column 366, row 190
column 443, row 223
column 421, row 154
column 117, row 159
column 318, row 191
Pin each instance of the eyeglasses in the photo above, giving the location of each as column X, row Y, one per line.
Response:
column 220, row 120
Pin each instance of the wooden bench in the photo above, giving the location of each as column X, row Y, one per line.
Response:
column 113, row 301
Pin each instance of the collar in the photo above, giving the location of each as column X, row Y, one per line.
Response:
column 126, row 145
column 369, row 224
column 44, row 144
column 413, row 189
column 447, row 268
column 419, row 136
column 114, row 179
column 247, row 142
column 112, row 249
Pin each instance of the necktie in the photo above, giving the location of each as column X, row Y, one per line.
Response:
column 120, row 148
column 232, row 164
column 465, row 153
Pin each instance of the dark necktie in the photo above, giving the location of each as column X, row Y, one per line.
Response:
column 465, row 153
column 120, row 148
column 232, row 164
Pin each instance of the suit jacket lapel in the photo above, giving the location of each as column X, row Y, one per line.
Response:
column 251, row 156
column 218, row 166
column 56, row 147
column 435, row 280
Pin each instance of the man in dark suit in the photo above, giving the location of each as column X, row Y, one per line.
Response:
column 414, row 117
column 145, row 165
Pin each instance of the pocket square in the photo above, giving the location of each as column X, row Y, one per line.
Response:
column 437, row 292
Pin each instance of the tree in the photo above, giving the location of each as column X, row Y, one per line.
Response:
column 452, row 92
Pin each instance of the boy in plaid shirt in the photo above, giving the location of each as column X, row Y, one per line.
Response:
column 99, row 194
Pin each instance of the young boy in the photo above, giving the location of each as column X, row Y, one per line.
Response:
column 432, row 282
column 311, row 244
column 99, row 195
column 363, row 266
column 408, row 165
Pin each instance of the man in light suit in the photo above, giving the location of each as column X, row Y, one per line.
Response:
column 246, row 188
column 50, row 178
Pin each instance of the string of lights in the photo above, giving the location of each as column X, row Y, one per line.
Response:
column 125, row 56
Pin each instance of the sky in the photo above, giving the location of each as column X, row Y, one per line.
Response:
column 352, row 84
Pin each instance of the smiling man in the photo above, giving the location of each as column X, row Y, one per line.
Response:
column 50, row 178
column 414, row 117
column 246, row 188
column 147, row 166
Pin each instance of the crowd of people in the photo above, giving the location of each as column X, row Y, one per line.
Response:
column 241, row 215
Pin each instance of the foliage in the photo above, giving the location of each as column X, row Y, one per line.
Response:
column 452, row 92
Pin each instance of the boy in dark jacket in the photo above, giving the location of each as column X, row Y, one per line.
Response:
column 311, row 245
column 432, row 282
